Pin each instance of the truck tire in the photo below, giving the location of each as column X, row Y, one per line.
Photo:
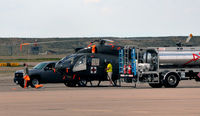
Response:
column 171, row 80
column 34, row 81
column 156, row 85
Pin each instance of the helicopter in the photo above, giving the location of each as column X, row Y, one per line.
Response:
column 88, row 64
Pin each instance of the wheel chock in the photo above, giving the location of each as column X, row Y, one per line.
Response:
column 38, row 86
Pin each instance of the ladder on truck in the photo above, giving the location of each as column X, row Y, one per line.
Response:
column 121, row 61
column 126, row 57
column 127, row 64
column 133, row 61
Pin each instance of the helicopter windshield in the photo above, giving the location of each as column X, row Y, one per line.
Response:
column 80, row 64
column 81, row 60
column 67, row 57
column 68, row 60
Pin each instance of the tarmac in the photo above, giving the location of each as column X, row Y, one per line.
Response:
column 56, row 99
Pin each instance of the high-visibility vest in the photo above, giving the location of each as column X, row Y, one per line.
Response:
column 27, row 78
column 109, row 67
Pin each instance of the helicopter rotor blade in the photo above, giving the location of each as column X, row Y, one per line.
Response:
column 25, row 44
column 108, row 40
column 51, row 42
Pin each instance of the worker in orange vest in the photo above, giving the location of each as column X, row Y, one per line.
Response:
column 26, row 75
column 94, row 49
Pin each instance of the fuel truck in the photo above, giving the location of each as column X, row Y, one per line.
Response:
column 159, row 66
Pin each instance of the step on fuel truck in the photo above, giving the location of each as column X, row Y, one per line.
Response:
column 159, row 66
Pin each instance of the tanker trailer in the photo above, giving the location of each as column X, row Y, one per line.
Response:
column 160, row 66
column 179, row 57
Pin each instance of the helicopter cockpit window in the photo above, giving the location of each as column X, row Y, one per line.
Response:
column 68, row 60
column 80, row 64
column 67, row 57
column 82, row 60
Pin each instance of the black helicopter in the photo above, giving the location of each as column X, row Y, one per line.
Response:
column 89, row 64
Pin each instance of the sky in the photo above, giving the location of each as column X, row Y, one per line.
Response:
column 99, row 18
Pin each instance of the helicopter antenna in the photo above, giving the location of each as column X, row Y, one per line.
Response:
column 188, row 39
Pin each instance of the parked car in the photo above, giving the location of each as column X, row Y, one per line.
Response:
column 41, row 73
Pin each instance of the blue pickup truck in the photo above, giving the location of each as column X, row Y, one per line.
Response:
column 41, row 73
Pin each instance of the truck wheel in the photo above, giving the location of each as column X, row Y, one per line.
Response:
column 156, row 85
column 34, row 82
column 171, row 81
column 82, row 83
